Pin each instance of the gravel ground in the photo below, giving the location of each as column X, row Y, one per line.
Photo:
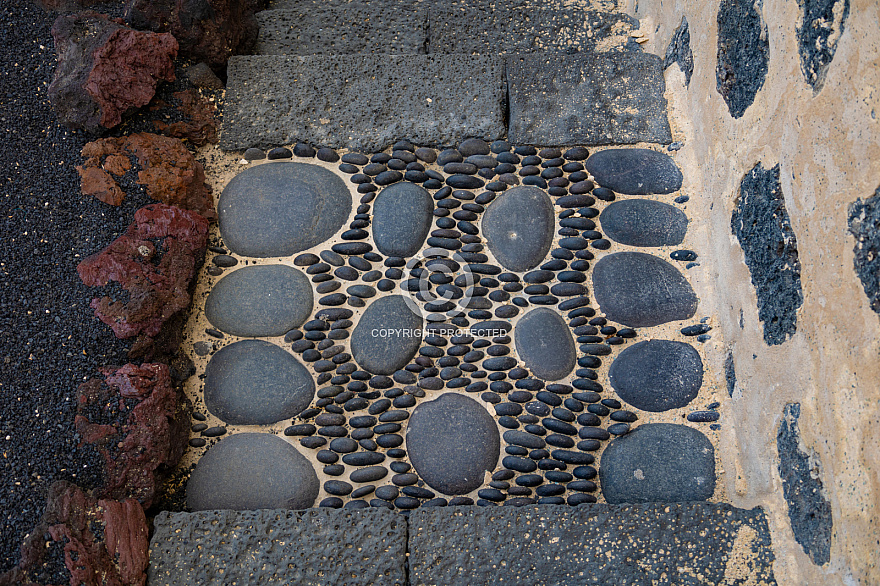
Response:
column 49, row 340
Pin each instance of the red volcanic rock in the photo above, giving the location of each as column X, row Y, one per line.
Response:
column 105, row 542
column 105, row 69
column 155, row 262
column 138, row 422
column 168, row 171
column 207, row 30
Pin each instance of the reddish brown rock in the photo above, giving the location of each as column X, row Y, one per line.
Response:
column 139, row 423
column 105, row 69
column 155, row 262
column 105, row 542
column 207, row 30
column 168, row 171
column 201, row 128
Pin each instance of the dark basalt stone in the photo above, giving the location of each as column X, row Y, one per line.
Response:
column 224, row 477
column 544, row 343
column 864, row 225
column 518, row 227
column 658, row 462
column 635, row 171
column 253, row 301
column 378, row 353
column 282, row 208
column 808, row 509
column 253, row 382
column 761, row 224
column 644, row 222
column 641, row 290
column 657, row 375
column 402, row 216
column 452, row 442
column 679, row 51
column 743, row 53
column 819, row 29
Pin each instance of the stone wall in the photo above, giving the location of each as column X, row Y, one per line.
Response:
column 781, row 243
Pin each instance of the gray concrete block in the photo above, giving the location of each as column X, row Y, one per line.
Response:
column 267, row 547
column 345, row 30
column 503, row 29
column 690, row 543
column 363, row 102
column 587, row 99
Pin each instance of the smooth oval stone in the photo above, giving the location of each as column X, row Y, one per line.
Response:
column 402, row 216
column 658, row 462
column 544, row 343
column 282, row 208
column 387, row 336
column 249, row 471
column 635, row 171
column 641, row 290
column 253, row 382
column 267, row 300
column 657, row 375
column 643, row 222
column 519, row 226
column 451, row 442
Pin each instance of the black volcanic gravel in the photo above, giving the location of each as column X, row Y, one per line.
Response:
column 50, row 341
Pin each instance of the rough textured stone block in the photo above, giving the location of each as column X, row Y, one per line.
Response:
column 363, row 102
column 278, row 547
column 588, row 99
column 691, row 543
column 359, row 27
column 864, row 225
column 808, row 509
column 819, row 29
column 503, row 29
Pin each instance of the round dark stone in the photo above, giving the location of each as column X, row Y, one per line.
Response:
column 460, row 181
column 386, row 337
column 260, row 301
column 371, row 474
column 544, row 342
column 254, row 154
column 643, row 222
column 657, row 375
column 224, row 476
column 452, row 441
column 576, row 154
column 279, row 153
column 426, row 154
column 253, row 382
column 658, row 462
column 635, row 171
column 641, row 290
column 282, row 208
column 327, row 155
column 518, row 227
column 473, row 146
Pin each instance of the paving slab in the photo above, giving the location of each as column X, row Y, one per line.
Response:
column 502, row 29
column 689, row 543
column 363, row 102
column 587, row 99
column 312, row 547
column 358, row 27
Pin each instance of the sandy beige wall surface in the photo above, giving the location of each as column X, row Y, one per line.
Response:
column 828, row 147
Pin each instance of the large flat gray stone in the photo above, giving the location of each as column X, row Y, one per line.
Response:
column 587, row 99
column 362, row 102
column 270, row 547
column 358, row 27
column 691, row 543
column 503, row 29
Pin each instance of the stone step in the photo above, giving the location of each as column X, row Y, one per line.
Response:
column 362, row 101
column 684, row 543
column 343, row 30
column 413, row 28
column 368, row 101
